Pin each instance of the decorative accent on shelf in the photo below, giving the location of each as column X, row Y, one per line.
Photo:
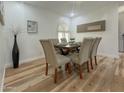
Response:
column 32, row 26
column 92, row 27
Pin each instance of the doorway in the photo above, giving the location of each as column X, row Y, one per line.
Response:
column 121, row 32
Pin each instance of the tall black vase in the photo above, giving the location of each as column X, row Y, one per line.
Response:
column 15, row 54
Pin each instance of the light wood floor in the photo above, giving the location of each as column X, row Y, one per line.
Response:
column 108, row 75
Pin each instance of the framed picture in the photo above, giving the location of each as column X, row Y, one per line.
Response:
column 97, row 26
column 32, row 26
column 2, row 12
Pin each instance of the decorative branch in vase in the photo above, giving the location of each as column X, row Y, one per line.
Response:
column 15, row 50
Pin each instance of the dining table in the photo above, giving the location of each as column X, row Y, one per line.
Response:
column 65, row 48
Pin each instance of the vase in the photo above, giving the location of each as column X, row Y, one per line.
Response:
column 15, row 54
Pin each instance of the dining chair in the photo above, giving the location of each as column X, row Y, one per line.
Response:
column 54, row 41
column 63, row 40
column 91, row 50
column 55, row 60
column 83, row 56
column 94, row 50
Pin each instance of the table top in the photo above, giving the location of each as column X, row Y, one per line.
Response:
column 68, row 45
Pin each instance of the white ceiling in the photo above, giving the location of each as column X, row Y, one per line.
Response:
column 64, row 8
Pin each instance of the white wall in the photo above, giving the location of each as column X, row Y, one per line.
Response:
column 17, row 14
column 109, row 43
column 2, row 55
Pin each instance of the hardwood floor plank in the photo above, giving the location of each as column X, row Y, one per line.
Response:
column 20, row 75
column 29, row 83
column 89, row 83
column 107, row 76
column 10, row 71
column 65, row 83
column 76, row 84
column 23, row 79
column 117, row 84
column 102, row 85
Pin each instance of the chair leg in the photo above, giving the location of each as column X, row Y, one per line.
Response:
column 46, row 69
column 88, row 68
column 74, row 65
column 80, row 72
column 95, row 60
column 69, row 68
column 55, row 77
column 66, row 67
column 91, row 63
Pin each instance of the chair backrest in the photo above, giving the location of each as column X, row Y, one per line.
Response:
column 49, row 51
column 85, row 49
column 95, row 46
column 63, row 40
column 54, row 41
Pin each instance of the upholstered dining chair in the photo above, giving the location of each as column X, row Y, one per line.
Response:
column 63, row 40
column 54, row 41
column 91, row 50
column 55, row 60
column 83, row 55
column 94, row 50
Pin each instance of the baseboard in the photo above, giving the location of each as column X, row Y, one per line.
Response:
column 31, row 59
column 39, row 57
column 26, row 61
column 121, row 51
column 2, row 82
column 108, row 55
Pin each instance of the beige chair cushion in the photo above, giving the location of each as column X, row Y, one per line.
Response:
column 95, row 46
column 62, row 59
column 52, row 58
column 54, row 41
column 84, row 53
column 74, row 57
column 85, row 50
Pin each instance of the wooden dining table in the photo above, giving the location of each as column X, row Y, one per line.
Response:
column 67, row 47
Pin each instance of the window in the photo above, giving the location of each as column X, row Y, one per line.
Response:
column 63, row 32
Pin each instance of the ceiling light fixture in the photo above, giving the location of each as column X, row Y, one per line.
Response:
column 72, row 14
column 75, row 9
